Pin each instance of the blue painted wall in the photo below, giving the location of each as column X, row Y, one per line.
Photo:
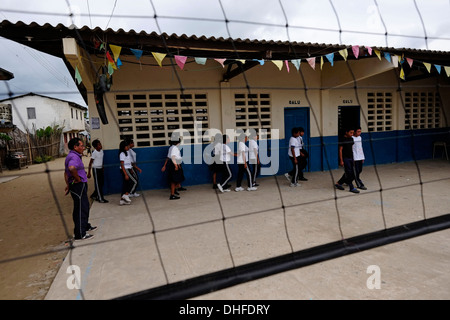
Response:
column 379, row 148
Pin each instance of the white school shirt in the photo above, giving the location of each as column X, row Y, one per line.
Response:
column 132, row 155
column 225, row 154
column 242, row 148
column 295, row 143
column 126, row 160
column 252, row 145
column 175, row 151
column 300, row 141
column 97, row 156
column 358, row 153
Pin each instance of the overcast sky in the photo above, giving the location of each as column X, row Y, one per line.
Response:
column 420, row 24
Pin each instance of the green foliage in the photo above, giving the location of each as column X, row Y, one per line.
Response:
column 42, row 159
column 5, row 137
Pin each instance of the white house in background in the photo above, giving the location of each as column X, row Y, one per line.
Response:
column 33, row 111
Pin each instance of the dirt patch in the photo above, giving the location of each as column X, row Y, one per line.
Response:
column 36, row 225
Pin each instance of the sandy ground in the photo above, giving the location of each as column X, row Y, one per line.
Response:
column 35, row 226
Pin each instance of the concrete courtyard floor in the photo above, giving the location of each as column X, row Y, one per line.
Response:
column 154, row 241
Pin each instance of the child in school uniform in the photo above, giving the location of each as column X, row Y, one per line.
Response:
column 214, row 157
column 253, row 156
column 96, row 166
column 243, row 168
column 135, row 168
column 358, row 158
column 224, row 165
column 294, row 156
column 128, row 180
column 174, row 169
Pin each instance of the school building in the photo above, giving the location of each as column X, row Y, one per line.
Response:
column 155, row 84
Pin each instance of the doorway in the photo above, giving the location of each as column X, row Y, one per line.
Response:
column 294, row 117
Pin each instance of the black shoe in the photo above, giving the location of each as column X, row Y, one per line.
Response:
column 302, row 179
column 86, row 237
column 256, row 184
column 174, row 197
column 338, row 186
column 182, row 189
column 354, row 190
column 176, row 193
column 103, row 201
column 94, row 198
column 92, row 228
column 214, row 186
column 362, row 188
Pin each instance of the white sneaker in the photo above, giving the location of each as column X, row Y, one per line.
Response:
column 239, row 189
column 123, row 202
column 288, row 177
column 219, row 187
column 135, row 195
column 294, row 185
column 226, row 190
column 252, row 189
column 126, row 198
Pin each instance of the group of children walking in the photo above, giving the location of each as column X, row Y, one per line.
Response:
column 351, row 157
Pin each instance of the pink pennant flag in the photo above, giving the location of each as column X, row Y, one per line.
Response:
column 369, row 49
column 287, row 65
column 221, row 61
column 410, row 61
column 355, row 50
column 312, row 62
column 180, row 60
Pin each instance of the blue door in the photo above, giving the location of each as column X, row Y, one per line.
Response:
column 293, row 117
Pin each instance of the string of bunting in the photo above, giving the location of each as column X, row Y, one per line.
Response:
column 114, row 62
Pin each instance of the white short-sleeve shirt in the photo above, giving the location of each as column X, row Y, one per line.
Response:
column 252, row 145
column 242, row 149
column 97, row 156
column 358, row 152
column 225, row 154
column 126, row 160
column 294, row 143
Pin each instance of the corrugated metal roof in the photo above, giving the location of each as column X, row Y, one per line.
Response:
column 47, row 38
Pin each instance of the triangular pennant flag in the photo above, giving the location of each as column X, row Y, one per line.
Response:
column 102, row 46
column 200, row 60
column 113, row 65
column 395, row 60
column 402, row 74
column 378, row 53
column 287, row 65
column 108, row 56
column 110, row 69
column 355, row 50
column 241, row 61
column 221, row 61
column 447, row 71
column 321, row 62
column 438, row 68
column 387, row 56
column 369, row 49
column 312, row 62
column 78, row 75
column 330, row 58
column 180, row 60
column 261, row 62
column 159, row 57
column 119, row 63
column 410, row 61
column 137, row 53
column 278, row 63
column 428, row 66
column 115, row 50
column 344, row 54
column 296, row 63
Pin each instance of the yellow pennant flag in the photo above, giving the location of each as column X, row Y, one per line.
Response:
column 402, row 74
column 116, row 51
column 378, row 53
column 447, row 71
column 344, row 54
column 159, row 57
column 321, row 63
column 278, row 63
column 428, row 66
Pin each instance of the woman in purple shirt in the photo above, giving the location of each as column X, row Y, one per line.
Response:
column 76, row 184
